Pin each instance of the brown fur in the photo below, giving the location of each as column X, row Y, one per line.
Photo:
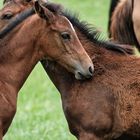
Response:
column 33, row 40
column 107, row 106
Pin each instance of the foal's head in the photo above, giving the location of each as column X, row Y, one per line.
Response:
column 57, row 40
column 63, row 43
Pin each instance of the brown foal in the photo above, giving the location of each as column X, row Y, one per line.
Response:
column 45, row 35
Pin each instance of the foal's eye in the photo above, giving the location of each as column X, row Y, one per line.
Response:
column 7, row 15
column 65, row 36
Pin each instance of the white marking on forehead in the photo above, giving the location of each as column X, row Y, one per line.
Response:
column 71, row 26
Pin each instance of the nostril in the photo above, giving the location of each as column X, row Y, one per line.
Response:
column 91, row 70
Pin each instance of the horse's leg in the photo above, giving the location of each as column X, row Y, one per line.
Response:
column 136, row 19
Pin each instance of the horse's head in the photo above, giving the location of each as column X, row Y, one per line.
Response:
column 60, row 43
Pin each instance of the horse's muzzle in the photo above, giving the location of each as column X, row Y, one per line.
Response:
column 81, row 75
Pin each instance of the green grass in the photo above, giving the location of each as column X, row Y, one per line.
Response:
column 39, row 113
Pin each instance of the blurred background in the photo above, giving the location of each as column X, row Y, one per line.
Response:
column 39, row 111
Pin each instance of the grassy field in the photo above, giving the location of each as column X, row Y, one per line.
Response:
column 39, row 113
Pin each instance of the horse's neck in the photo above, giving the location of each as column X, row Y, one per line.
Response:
column 15, row 69
column 61, row 78
column 18, row 56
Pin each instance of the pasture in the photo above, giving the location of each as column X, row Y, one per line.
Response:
column 39, row 113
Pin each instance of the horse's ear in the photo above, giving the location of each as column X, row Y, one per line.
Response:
column 43, row 12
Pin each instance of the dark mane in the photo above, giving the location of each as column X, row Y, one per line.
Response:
column 93, row 35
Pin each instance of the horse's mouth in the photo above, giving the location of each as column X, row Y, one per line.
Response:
column 80, row 76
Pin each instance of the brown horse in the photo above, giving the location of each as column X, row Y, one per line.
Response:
column 107, row 106
column 125, row 23
column 92, row 115
column 45, row 35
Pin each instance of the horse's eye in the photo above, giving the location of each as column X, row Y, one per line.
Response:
column 8, row 15
column 65, row 36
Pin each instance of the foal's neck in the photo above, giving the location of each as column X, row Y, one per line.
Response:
column 19, row 54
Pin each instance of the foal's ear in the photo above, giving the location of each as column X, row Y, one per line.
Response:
column 43, row 12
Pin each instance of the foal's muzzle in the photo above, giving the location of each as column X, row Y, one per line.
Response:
column 84, row 74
